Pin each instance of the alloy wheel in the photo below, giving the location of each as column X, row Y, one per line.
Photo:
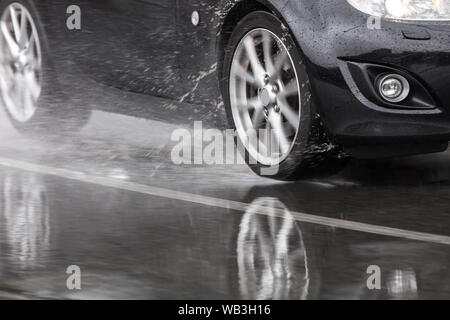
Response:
column 265, row 96
column 20, row 62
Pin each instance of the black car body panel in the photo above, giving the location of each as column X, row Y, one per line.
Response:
column 151, row 47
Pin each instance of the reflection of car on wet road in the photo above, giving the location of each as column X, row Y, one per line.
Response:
column 265, row 253
column 298, row 78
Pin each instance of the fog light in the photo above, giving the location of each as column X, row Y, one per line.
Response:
column 394, row 88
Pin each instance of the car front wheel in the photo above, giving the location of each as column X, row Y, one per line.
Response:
column 269, row 102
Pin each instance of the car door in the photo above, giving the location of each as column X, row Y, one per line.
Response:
column 197, row 44
column 130, row 45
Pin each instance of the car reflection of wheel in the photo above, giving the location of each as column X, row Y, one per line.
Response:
column 24, row 217
column 27, row 87
column 272, row 257
column 268, row 98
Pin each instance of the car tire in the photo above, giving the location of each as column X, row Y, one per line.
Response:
column 53, row 115
column 311, row 153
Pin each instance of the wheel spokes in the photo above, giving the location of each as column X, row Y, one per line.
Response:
column 14, row 22
column 29, row 101
column 250, row 48
column 291, row 89
column 32, row 85
column 240, row 72
column 291, row 116
column 10, row 42
column 23, row 39
column 258, row 118
column 268, row 139
column 278, row 132
column 279, row 62
column 267, row 48
column 253, row 103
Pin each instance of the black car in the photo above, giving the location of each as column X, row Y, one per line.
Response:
column 304, row 83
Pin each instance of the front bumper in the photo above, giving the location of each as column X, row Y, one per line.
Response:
column 421, row 50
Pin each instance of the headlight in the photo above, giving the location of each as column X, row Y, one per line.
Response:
column 405, row 9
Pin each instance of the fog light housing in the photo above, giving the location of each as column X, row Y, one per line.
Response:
column 394, row 88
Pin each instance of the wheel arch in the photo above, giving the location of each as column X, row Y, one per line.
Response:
column 290, row 13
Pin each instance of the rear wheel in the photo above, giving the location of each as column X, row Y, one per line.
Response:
column 28, row 89
column 269, row 102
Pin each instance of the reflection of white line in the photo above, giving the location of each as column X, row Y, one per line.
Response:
column 222, row 203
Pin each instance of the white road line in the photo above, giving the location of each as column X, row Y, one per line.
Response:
column 222, row 203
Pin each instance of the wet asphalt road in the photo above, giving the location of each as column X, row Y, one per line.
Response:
column 210, row 232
